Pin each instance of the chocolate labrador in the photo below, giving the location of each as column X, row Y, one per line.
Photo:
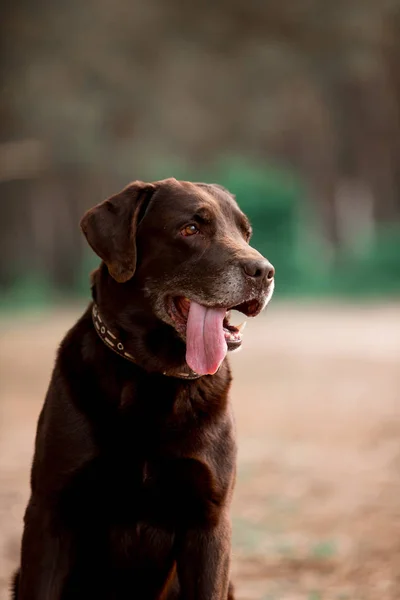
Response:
column 135, row 454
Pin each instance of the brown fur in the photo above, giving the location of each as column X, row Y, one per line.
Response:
column 134, row 471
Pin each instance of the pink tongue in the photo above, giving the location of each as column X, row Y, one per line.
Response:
column 205, row 341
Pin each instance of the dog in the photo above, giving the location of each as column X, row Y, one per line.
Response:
column 135, row 451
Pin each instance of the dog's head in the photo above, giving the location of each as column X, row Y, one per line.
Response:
column 185, row 246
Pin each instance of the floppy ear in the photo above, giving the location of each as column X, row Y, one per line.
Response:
column 110, row 228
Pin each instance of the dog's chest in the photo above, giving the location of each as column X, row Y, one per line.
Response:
column 156, row 489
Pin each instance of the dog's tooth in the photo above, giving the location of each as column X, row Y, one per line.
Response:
column 241, row 326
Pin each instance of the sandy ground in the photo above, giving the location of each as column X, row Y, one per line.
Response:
column 316, row 514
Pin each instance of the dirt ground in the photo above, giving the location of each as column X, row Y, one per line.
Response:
column 316, row 514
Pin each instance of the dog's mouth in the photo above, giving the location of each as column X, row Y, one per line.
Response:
column 208, row 332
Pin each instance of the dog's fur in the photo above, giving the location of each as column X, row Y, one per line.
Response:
column 133, row 470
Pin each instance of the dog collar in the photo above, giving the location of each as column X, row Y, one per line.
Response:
column 112, row 342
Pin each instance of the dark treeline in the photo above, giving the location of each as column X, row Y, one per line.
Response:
column 99, row 92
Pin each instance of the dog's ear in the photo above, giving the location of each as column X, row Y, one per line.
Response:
column 110, row 228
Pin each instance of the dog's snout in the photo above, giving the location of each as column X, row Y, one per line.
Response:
column 259, row 269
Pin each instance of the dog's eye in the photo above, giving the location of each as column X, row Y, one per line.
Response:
column 190, row 230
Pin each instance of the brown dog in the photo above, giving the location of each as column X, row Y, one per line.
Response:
column 135, row 454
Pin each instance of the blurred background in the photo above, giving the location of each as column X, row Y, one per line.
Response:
column 295, row 107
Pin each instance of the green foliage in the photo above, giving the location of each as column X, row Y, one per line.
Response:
column 284, row 231
column 377, row 271
column 31, row 291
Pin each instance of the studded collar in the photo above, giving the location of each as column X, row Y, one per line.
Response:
column 115, row 344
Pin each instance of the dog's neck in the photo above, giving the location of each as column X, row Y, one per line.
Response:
column 134, row 333
column 114, row 343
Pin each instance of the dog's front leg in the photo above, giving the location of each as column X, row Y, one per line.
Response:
column 203, row 562
column 45, row 556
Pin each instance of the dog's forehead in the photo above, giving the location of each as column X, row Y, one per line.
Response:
column 186, row 197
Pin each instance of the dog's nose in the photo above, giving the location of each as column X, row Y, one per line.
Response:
column 259, row 269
